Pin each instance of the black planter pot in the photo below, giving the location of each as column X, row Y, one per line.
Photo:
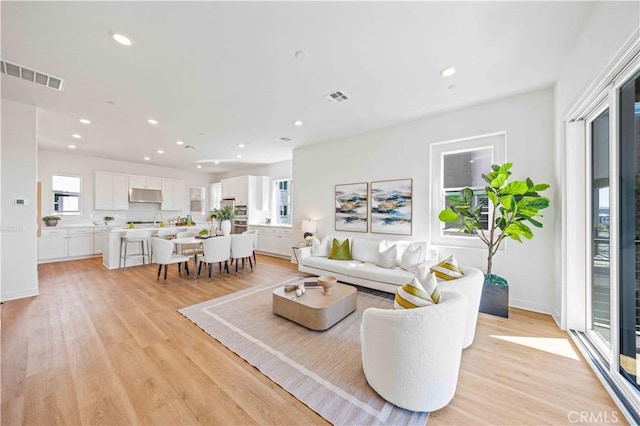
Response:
column 495, row 296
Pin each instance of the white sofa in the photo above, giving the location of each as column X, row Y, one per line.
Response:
column 362, row 270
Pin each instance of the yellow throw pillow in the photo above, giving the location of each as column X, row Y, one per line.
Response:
column 414, row 295
column 340, row 251
column 448, row 269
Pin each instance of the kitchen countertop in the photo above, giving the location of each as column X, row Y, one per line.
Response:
column 270, row 225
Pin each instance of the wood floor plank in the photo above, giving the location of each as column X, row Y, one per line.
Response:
column 109, row 347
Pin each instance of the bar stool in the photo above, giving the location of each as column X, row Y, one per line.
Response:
column 135, row 237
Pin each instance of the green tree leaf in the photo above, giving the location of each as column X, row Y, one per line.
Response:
column 516, row 188
column 540, row 187
column 448, row 216
column 493, row 197
column 538, row 203
column 499, row 180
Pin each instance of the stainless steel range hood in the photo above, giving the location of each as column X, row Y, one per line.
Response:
column 137, row 195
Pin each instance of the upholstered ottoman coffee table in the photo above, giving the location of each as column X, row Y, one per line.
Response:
column 313, row 309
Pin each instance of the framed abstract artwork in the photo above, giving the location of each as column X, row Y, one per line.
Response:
column 391, row 209
column 352, row 208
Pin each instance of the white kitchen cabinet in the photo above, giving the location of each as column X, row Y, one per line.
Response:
column 69, row 243
column 145, row 182
column 80, row 242
column 111, row 191
column 173, row 194
column 215, row 195
column 274, row 240
column 98, row 240
column 52, row 244
column 238, row 188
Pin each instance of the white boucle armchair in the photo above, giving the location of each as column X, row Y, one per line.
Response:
column 411, row 357
column 470, row 285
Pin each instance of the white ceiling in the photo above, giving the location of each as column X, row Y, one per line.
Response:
column 216, row 74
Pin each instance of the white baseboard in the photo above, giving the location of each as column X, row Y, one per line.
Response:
column 5, row 297
column 535, row 307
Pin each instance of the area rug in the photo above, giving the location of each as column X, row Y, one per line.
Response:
column 323, row 369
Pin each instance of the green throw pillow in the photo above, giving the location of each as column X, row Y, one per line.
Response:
column 340, row 251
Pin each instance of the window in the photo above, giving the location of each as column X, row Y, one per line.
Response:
column 465, row 169
column 282, row 194
column 456, row 165
column 196, row 200
column 66, row 194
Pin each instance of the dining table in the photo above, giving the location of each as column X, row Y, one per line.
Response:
column 182, row 243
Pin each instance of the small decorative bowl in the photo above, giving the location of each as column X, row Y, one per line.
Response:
column 327, row 283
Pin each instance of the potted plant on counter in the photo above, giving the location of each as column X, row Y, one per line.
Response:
column 51, row 220
column 225, row 215
column 515, row 205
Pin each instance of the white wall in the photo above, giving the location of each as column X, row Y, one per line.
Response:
column 51, row 163
column 19, row 276
column 403, row 152
column 276, row 171
column 610, row 26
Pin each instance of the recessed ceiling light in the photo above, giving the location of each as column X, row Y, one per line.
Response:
column 301, row 55
column 84, row 121
column 152, row 121
column 216, row 162
column 123, row 39
column 241, row 145
column 238, row 156
column 179, row 143
column 284, row 139
column 448, row 72
column 298, row 123
column 76, row 136
column 147, row 158
column 71, row 146
column 199, row 166
column 472, row 161
column 160, row 151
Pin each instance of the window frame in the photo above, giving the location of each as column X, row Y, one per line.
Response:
column 56, row 193
column 496, row 142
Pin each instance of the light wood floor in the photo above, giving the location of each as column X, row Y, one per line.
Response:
column 109, row 347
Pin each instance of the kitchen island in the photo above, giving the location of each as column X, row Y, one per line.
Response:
column 111, row 250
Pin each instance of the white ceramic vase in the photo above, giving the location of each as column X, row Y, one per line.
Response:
column 225, row 227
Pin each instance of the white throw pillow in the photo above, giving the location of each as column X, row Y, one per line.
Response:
column 365, row 250
column 401, row 246
column 387, row 258
column 411, row 258
column 320, row 248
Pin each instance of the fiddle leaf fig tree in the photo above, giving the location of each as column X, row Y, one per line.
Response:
column 515, row 206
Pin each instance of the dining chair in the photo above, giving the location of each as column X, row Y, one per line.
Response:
column 189, row 250
column 242, row 248
column 253, row 232
column 164, row 255
column 216, row 250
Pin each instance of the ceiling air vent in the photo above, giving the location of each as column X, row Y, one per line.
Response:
column 191, row 147
column 31, row 75
column 336, row 97
column 284, row 139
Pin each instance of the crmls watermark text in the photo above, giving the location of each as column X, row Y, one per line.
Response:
column 11, row 228
column 593, row 417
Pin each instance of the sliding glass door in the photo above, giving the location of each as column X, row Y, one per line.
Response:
column 629, row 230
column 612, row 314
column 599, row 322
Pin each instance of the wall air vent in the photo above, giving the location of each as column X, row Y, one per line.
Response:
column 192, row 147
column 33, row 76
column 336, row 97
column 284, row 139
